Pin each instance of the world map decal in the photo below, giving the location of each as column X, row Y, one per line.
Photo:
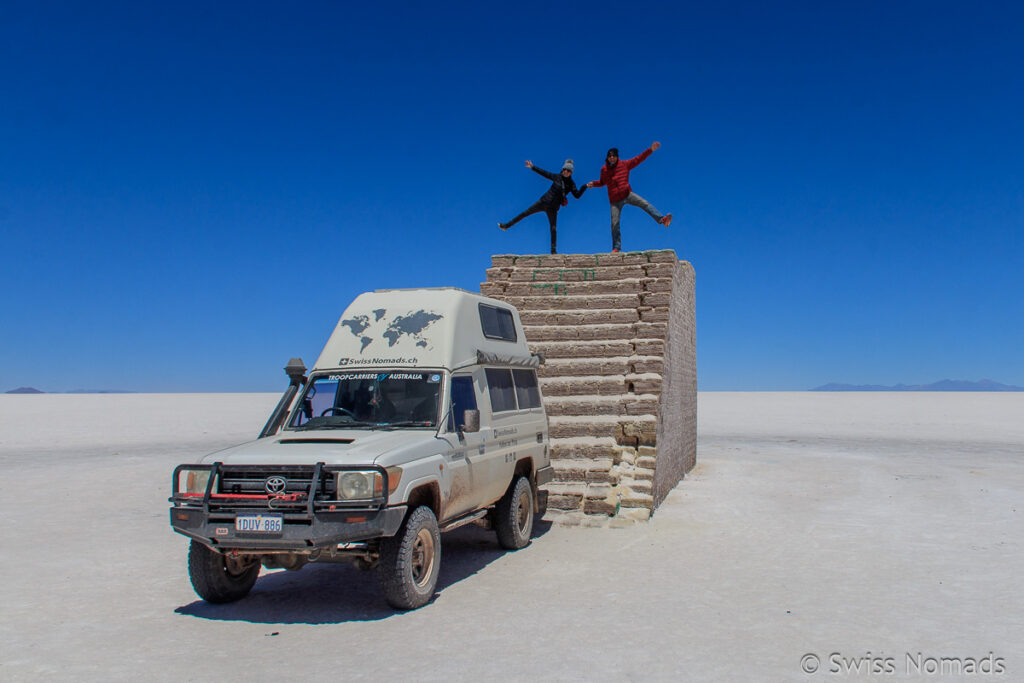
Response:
column 392, row 329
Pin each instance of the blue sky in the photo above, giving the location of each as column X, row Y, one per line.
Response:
column 191, row 193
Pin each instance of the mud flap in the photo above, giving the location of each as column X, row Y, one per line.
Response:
column 540, row 501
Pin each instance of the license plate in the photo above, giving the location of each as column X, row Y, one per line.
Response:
column 258, row 524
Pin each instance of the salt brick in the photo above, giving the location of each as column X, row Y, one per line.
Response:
column 648, row 330
column 557, row 429
column 570, row 405
column 541, row 261
column 656, row 299
column 627, row 455
column 581, row 260
column 549, row 317
column 574, row 303
column 637, row 485
column 584, row 349
column 564, row 502
column 642, row 365
column 657, row 284
column 661, row 256
column 588, row 448
column 660, row 270
column 642, row 473
column 632, row 499
column 598, row 491
column 598, row 507
column 649, row 347
column 642, row 407
column 602, row 476
column 592, row 386
column 575, row 367
column 657, row 314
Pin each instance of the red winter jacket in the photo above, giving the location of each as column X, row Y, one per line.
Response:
column 617, row 177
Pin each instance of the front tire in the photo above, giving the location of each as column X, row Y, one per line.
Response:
column 218, row 578
column 410, row 561
column 513, row 519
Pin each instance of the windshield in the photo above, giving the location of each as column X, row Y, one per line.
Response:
column 377, row 399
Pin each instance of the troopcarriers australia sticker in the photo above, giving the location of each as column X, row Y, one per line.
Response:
column 379, row 377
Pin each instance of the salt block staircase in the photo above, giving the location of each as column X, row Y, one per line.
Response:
column 619, row 382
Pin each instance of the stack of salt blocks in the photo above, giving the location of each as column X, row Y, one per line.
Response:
column 618, row 334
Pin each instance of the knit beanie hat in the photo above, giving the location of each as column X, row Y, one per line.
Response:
column 567, row 165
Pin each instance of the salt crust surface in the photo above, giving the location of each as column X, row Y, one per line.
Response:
column 813, row 523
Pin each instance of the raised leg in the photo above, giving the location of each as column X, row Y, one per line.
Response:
column 636, row 200
column 536, row 207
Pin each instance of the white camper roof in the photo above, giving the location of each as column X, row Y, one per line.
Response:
column 438, row 328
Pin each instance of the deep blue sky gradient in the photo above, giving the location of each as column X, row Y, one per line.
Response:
column 190, row 193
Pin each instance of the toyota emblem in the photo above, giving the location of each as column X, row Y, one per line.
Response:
column 276, row 485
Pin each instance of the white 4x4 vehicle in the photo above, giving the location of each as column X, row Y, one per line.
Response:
column 423, row 413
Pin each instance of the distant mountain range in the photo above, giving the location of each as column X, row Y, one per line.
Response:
column 941, row 385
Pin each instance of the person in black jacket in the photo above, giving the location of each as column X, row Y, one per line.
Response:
column 555, row 198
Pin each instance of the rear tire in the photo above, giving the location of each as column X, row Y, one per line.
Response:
column 410, row 561
column 218, row 578
column 513, row 518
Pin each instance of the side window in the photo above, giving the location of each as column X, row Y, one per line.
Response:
column 499, row 385
column 463, row 399
column 320, row 396
column 497, row 323
column 527, row 392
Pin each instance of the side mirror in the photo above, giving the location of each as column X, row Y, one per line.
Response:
column 472, row 421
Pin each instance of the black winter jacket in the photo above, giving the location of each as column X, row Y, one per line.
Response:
column 560, row 187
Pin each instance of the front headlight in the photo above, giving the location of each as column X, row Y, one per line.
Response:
column 193, row 481
column 359, row 485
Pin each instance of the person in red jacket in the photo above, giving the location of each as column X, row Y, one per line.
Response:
column 615, row 174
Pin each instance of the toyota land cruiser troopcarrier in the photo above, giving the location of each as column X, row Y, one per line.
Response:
column 423, row 413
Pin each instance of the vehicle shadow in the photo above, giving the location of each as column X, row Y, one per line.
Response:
column 337, row 593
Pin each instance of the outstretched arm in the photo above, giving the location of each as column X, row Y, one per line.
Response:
column 602, row 182
column 635, row 161
column 577, row 192
column 541, row 171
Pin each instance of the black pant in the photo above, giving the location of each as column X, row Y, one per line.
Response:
column 550, row 209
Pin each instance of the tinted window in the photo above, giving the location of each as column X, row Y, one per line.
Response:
column 499, row 385
column 463, row 399
column 497, row 323
column 526, row 388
